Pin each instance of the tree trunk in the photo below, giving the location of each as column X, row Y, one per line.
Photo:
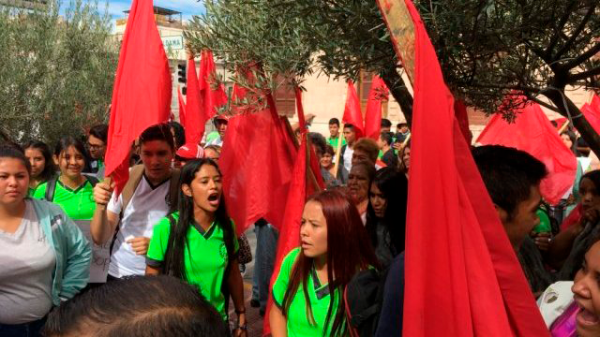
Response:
column 401, row 94
column 582, row 125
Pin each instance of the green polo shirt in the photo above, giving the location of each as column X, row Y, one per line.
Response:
column 334, row 142
column 205, row 258
column 78, row 204
column 212, row 136
column 298, row 324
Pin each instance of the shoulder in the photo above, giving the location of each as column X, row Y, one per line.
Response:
column 291, row 257
column 164, row 224
column 40, row 191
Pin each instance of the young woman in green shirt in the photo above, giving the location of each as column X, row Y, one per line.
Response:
column 198, row 242
column 42, row 165
column 308, row 290
column 72, row 190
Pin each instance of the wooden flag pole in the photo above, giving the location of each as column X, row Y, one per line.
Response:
column 564, row 127
column 338, row 154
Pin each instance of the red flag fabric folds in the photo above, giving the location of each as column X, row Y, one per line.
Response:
column 462, row 275
column 142, row 89
column 460, row 109
column 352, row 112
column 195, row 118
column 533, row 133
column 592, row 115
column 213, row 98
column 378, row 93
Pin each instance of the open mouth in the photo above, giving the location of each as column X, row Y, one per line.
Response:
column 588, row 318
column 213, row 198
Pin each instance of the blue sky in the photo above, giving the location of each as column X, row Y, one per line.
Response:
column 186, row 7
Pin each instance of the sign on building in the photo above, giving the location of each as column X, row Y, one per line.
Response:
column 173, row 42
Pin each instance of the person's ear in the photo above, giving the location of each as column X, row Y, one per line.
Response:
column 56, row 160
column 186, row 189
column 502, row 214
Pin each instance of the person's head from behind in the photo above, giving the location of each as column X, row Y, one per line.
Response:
column 589, row 191
column 349, row 134
column 334, row 127
column 14, row 176
column 386, row 125
column 319, row 144
column 40, row 158
column 359, row 180
column 212, row 152
column 402, row 128
column 586, row 290
column 221, row 125
column 156, row 151
column 327, row 217
column 69, row 154
column 327, row 158
column 365, row 150
column 137, row 306
column 385, row 140
column 178, row 133
column 97, row 141
column 512, row 179
column 388, row 197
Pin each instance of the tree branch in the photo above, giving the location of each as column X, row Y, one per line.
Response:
column 584, row 74
column 583, row 57
column 542, row 103
column 577, row 31
column 561, row 25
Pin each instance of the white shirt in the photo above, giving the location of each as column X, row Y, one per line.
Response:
column 348, row 158
column 146, row 208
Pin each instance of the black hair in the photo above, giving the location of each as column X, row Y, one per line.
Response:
column 573, row 139
column 329, row 149
column 158, row 132
column 100, row 131
column 137, row 306
column 65, row 142
column 178, row 132
column 318, row 141
column 594, row 176
column 387, row 137
column 508, row 174
column 349, row 126
column 401, row 125
column 385, row 123
column 49, row 167
column 174, row 256
column 334, row 121
column 15, row 152
column 394, row 187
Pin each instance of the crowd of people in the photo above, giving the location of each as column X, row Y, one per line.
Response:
column 176, row 262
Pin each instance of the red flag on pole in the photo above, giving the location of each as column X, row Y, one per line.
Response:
column 142, row 89
column 462, row 275
column 592, row 115
column 257, row 163
column 315, row 166
column 378, row 93
column 352, row 112
column 195, row 119
column 213, row 97
column 462, row 117
column 181, row 106
column 533, row 133
column 595, row 104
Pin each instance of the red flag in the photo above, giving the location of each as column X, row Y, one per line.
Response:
column 195, row 119
column 592, row 115
column 213, row 97
column 142, row 89
column 533, row 133
column 257, row 162
column 595, row 104
column 315, row 166
column 462, row 117
column 181, row 106
column 560, row 122
column 352, row 113
column 462, row 275
column 378, row 93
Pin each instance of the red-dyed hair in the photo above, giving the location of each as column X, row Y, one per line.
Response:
column 348, row 252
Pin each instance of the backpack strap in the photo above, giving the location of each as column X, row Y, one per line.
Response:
column 135, row 176
column 92, row 179
column 50, row 188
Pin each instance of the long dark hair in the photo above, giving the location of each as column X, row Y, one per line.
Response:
column 394, row 187
column 68, row 141
column 49, row 167
column 174, row 256
column 347, row 254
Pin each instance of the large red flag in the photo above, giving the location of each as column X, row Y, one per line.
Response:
column 257, row 163
column 460, row 110
column 533, row 133
column 462, row 274
column 195, row 119
column 181, row 106
column 592, row 115
column 595, row 104
column 352, row 112
column 378, row 93
column 142, row 89
column 213, row 95
column 315, row 166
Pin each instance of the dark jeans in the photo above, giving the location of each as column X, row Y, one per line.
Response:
column 31, row 329
column 266, row 249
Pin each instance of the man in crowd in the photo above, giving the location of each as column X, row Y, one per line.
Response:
column 145, row 200
column 346, row 153
column 334, row 134
column 386, row 125
column 216, row 137
column 384, row 142
column 96, row 143
column 402, row 132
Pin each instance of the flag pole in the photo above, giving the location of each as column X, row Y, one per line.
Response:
column 338, row 152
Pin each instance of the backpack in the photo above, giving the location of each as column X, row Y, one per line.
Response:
column 51, row 186
column 135, row 176
column 363, row 298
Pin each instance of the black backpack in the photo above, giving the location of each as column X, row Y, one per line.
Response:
column 363, row 298
column 51, row 186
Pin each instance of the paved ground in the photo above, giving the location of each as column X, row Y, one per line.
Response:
column 255, row 322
